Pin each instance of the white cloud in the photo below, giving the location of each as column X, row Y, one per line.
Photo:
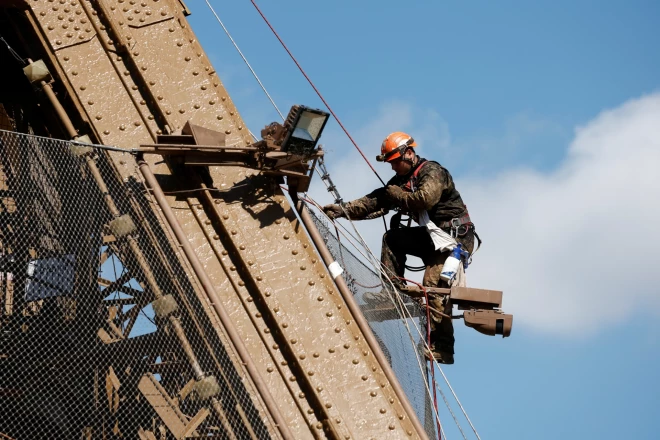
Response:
column 575, row 250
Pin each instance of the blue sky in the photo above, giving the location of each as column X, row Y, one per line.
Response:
column 545, row 115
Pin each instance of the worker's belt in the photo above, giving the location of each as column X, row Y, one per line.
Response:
column 456, row 223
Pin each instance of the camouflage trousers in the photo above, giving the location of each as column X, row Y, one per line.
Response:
column 416, row 241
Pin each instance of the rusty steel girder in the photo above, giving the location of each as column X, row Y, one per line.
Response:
column 133, row 70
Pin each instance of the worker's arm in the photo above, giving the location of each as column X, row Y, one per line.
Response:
column 373, row 205
column 432, row 181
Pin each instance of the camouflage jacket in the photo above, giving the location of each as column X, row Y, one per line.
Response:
column 434, row 191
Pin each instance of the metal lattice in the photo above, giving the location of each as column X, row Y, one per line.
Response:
column 403, row 349
column 102, row 333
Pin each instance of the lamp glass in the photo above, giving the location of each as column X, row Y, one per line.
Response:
column 309, row 126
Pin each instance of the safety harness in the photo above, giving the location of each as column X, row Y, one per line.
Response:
column 458, row 226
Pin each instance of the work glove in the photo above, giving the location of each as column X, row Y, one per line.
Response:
column 333, row 211
column 394, row 193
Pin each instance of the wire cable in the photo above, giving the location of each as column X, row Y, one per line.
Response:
column 244, row 59
column 317, row 91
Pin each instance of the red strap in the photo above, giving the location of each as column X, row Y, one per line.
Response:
column 413, row 178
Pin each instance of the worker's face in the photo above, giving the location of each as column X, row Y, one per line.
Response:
column 402, row 167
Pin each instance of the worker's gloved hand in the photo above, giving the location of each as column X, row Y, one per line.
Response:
column 394, row 193
column 333, row 211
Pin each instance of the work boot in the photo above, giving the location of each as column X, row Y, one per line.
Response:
column 441, row 357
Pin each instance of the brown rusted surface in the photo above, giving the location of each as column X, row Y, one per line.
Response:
column 135, row 70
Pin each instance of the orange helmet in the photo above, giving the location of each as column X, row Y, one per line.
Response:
column 394, row 145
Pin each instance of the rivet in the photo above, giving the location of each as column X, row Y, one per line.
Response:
column 126, row 73
column 240, row 127
column 292, row 379
column 241, row 283
column 391, row 400
column 249, row 299
column 356, row 361
column 294, row 252
column 275, row 346
column 409, row 432
column 331, row 350
column 159, row 97
column 216, row 237
column 224, row 98
column 90, row 102
column 337, row 330
column 356, row 337
column 259, row 278
column 294, row 341
column 401, row 416
column 302, row 268
column 311, row 373
column 83, row 88
column 219, row 117
column 373, row 394
column 70, row 35
column 365, row 377
column 316, row 354
column 365, row 353
column 81, row 37
column 305, row 246
column 269, row 369
column 130, row 18
column 242, row 247
column 374, row 368
column 391, row 427
column 171, row 29
column 213, row 102
column 144, row 67
column 310, row 411
column 58, row 42
column 150, row 117
column 142, row 19
column 250, row 262
column 234, row 232
column 322, row 275
column 110, row 42
column 122, row 127
column 224, row 252
column 195, row 73
column 74, row 73
column 328, row 405
column 313, row 260
column 231, row 113
column 42, row 13
column 179, row 44
column 168, row 112
column 163, row 13
column 203, row 87
column 122, row 162
column 106, row 132
column 65, row 26
column 320, row 298
column 268, row 293
column 276, row 309
column 227, row 131
column 258, row 315
column 302, row 356
column 348, row 322
column 191, row 40
column 134, row 87
column 311, row 283
column 329, row 314
column 182, row 111
column 99, row 117
column 347, row 345
column 277, row 222
column 266, row 330
column 128, row 37
column 302, row 396
column 152, row 83
column 136, row 53
column 50, row 26
column 284, row 363
column 232, row 268
column 383, row 410
column 196, row 105
column 286, row 236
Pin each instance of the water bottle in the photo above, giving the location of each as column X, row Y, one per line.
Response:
column 451, row 265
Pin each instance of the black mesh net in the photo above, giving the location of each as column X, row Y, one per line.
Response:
column 393, row 327
column 102, row 334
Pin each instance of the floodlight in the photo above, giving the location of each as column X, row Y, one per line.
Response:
column 304, row 126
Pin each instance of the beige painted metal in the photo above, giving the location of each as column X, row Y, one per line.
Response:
column 135, row 70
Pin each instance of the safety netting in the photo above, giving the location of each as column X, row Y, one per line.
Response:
column 102, row 334
column 396, row 321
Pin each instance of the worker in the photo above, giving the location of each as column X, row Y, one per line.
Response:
column 424, row 190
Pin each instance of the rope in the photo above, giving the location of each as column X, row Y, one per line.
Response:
column 317, row 91
column 245, row 60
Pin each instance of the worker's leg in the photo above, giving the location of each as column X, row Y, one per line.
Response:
column 400, row 242
column 442, row 329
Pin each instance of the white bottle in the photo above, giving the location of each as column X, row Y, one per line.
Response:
column 451, row 265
